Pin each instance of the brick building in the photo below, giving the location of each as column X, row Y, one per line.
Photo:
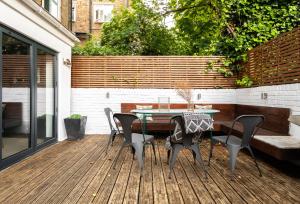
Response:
column 60, row 9
column 89, row 15
column 83, row 17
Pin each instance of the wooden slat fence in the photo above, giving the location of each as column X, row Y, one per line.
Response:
column 277, row 61
column 147, row 72
column 16, row 70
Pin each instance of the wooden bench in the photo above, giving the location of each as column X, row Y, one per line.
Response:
column 276, row 124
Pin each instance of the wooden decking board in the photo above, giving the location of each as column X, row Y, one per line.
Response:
column 103, row 193
column 173, row 191
column 118, row 192
column 80, row 172
column 239, row 188
column 64, row 177
column 22, row 179
column 200, row 190
column 81, row 186
column 36, row 185
column 79, row 175
column 221, row 182
column 159, row 186
column 146, row 190
column 92, row 188
column 277, row 183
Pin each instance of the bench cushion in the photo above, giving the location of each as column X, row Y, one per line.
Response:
column 281, row 142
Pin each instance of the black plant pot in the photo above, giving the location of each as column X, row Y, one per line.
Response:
column 75, row 128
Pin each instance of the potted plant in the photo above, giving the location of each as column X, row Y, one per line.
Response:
column 75, row 126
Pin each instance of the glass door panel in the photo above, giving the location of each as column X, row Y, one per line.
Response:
column 16, row 94
column 45, row 96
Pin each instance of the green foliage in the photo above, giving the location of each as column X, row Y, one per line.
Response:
column 232, row 27
column 138, row 30
column 244, row 82
column 75, row 116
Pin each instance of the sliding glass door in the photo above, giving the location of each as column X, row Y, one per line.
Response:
column 16, row 96
column 45, row 95
column 27, row 95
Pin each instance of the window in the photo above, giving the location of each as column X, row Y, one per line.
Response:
column 74, row 10
column 103, row 12
column 52, row 7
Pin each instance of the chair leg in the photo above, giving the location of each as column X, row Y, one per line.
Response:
column 139, row 151
column 233, row 152
column 110, row 140
column 194, row 156
column 256, row 164
column 196, row 151
column 133, row 152
column 153, row 147
column 175, row 150
column 118, row 155
column 169, row 153
column 211, row 151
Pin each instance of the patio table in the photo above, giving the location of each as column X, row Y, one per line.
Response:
column 170, row 112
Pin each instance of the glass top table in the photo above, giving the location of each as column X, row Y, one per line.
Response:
column 170, row 112
column 173, row 111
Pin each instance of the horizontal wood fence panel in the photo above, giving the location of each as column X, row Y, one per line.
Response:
column 147, row 72
column 277, row 61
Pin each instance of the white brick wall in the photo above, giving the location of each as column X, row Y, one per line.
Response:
column 285, row 96
column 92, row 101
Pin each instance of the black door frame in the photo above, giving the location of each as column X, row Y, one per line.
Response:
column 33, row 147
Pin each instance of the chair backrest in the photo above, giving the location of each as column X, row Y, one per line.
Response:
column 187, row 139
column 126, row 121
column 109, row 113
column 251, row 123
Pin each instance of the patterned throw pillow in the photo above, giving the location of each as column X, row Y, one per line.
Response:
column 197, row 122
column 176, row 137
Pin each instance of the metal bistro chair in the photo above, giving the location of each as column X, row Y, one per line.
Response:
column 186, row 142
column 114, row 129
column 135, row 140
column 251, row 124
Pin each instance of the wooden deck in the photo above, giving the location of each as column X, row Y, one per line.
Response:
column 80, row 172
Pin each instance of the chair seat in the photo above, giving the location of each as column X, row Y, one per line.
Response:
column 136, row 137
column 233, row 140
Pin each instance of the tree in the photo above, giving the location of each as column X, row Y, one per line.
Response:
column 232, row 27
column 138, row 30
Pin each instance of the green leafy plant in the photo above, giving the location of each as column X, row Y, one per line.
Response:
column 75, row 116
column 232, row 27
column 245, row 82
column 138, row 30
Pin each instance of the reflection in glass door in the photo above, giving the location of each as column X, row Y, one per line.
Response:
column 16, row 92
column 45, row 96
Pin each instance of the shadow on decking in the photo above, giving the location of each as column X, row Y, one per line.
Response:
column 80, row 172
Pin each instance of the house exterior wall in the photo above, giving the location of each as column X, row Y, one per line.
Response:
column 92, row 101
column 65, row 12
column 31, row 24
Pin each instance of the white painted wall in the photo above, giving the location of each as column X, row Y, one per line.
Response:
column 284, row 96
column 92, row 101
column 19, row 17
